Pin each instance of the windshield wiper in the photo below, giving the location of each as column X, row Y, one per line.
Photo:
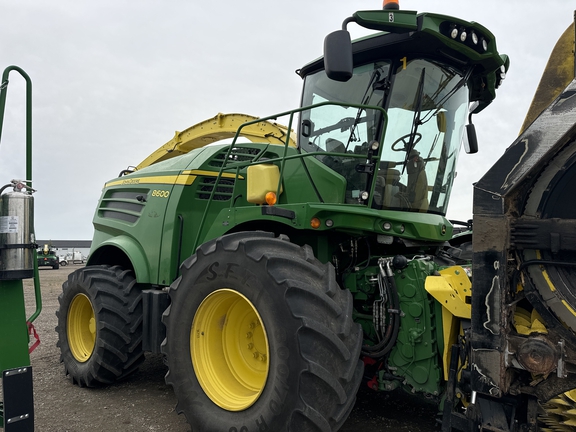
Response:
column 416, row 119
column 448, row 95
column 375, row 79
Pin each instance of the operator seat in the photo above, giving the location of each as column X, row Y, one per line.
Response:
column 417, row 188
column 387, row 186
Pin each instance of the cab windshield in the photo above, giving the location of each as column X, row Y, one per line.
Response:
column 426, row 104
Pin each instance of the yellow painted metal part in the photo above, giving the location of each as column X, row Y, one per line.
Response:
column 81, row 328
column 261, row 179
column 185, row 178
column 551, row 286
column 451, row 289
column 559, row 72
column 450, row 328
column 220, row 127
column 528, row 322
column 229, row 350
column 559, row 413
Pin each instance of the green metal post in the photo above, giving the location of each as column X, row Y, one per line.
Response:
column 18, row 408
column 14, row 336
column 3, row 93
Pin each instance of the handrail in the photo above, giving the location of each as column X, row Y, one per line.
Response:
column 3, row 93
column 283, row 158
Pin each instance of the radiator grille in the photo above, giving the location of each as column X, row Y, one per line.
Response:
column 123, row 205
column 223, row 192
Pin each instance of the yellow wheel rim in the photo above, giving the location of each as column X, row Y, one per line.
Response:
column 81, row 328
column 229, row 350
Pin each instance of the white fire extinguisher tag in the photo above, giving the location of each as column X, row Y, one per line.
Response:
column 8, row 224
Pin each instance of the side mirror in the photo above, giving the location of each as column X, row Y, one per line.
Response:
column 338, row 55
column 471, row 140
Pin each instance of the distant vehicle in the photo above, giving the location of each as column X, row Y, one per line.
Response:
column 47, row 257
column 72, row 258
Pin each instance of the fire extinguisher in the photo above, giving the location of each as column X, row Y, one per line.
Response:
column 17, row 240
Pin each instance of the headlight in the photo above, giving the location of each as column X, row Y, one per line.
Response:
column 474, row 38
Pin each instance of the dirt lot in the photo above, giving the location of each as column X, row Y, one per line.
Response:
column 145, row 403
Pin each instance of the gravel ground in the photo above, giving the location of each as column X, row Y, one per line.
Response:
column 143, row 402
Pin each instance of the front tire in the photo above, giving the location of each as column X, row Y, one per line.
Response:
column 100, row 325
column 260, row 337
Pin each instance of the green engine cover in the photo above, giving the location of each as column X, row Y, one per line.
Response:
column 414, row 363
column 415, row 355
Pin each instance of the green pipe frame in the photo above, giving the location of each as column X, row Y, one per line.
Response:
column 3, row 93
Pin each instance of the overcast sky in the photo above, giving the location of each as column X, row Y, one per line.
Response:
column 113, row 80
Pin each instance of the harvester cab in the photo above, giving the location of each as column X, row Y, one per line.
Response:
column 277, row 273
column 429, row 83
column 18, row 261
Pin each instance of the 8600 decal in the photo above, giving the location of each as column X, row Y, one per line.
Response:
column 160, row 193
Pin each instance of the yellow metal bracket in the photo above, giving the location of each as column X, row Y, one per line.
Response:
column 451, row 289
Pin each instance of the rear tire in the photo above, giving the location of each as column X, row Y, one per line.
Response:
column 295, row 367
column 100, row 325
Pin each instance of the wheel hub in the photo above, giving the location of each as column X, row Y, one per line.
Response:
column 229, row 350
column 81, row 328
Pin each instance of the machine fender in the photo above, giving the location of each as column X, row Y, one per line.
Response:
column 132, row 249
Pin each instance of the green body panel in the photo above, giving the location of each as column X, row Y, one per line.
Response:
column 133, row 215
column 14, row 340
column 330, row 185
column 131, row 247
column 403, row 21
column 434, row 26
column 416, row 355
column 161, row 228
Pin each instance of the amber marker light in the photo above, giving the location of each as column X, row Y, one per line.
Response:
column 391, row 4
column 271, row 198
column 315, row 223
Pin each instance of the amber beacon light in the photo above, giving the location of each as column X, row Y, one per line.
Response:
column 391, row 4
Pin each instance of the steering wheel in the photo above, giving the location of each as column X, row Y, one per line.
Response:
column 405, row 140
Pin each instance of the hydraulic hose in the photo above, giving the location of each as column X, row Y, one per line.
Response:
column 383, row 347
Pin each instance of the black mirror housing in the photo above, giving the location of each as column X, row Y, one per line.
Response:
column 471, row 139
column 338, row 55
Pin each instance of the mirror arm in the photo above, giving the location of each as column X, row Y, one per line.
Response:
column 346, row 22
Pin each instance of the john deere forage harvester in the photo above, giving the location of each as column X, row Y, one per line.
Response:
column 278, row 273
